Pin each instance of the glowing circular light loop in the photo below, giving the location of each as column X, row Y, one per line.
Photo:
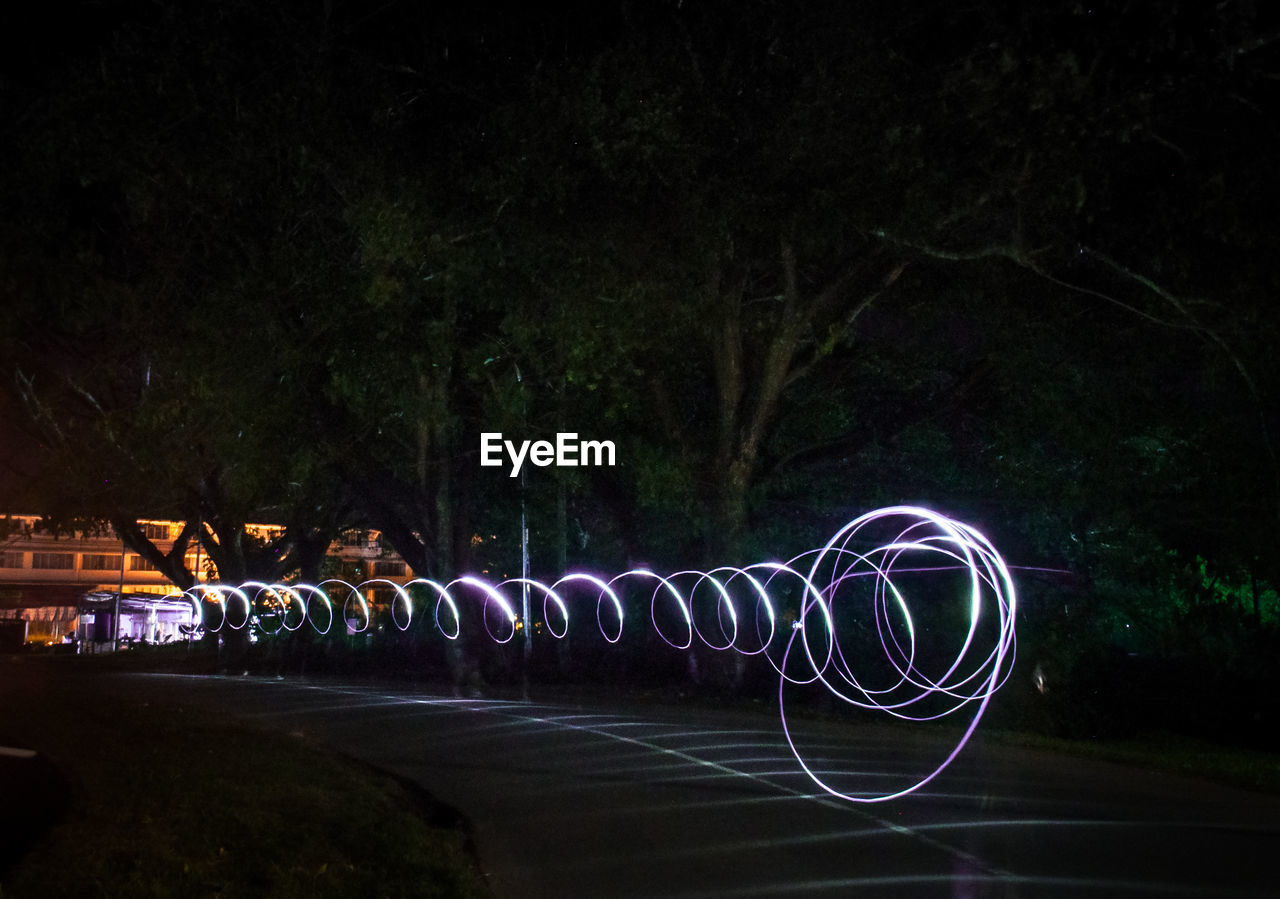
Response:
column 292, row 599
column 491, row 595
column 442, row 597
column 272, row 607
column 248, row 608
column 189, row 595
column 605, row 591
column 206, row 594
column 314, row 593
column 653, row 603
column 549, row 595
column 361, row 605
column 974, row 553
column 811, row 598
column 724, row 602
column 762, row 601
column 401, row 596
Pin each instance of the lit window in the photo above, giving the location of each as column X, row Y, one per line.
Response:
column 100, row 562
column 53, row 560
column 156, row 530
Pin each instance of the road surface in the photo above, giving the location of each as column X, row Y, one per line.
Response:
column 569, row 799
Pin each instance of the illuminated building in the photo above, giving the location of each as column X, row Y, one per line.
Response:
column 55, row 583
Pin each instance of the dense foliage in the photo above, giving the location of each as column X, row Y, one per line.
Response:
column 289, row 260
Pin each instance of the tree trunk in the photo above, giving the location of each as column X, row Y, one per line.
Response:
column 748, row 401
column 444, row 492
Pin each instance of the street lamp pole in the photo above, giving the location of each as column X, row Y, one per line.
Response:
column 199, row 546
column 524, row 574
column 115, row 617
column 524, row 547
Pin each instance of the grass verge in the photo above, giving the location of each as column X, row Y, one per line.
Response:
column 1251, row 769
column 162, row 801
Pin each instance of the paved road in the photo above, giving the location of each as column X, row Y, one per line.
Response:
column 598, row 801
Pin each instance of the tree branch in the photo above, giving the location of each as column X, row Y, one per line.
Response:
column 1023, row 259
column 928, row 410
column 840, row 330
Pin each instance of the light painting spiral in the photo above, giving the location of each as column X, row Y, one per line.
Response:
column 836, row 618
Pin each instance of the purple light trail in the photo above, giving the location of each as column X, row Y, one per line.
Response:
column 877, row 551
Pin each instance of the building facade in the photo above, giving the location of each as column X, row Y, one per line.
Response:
column 55, row 582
